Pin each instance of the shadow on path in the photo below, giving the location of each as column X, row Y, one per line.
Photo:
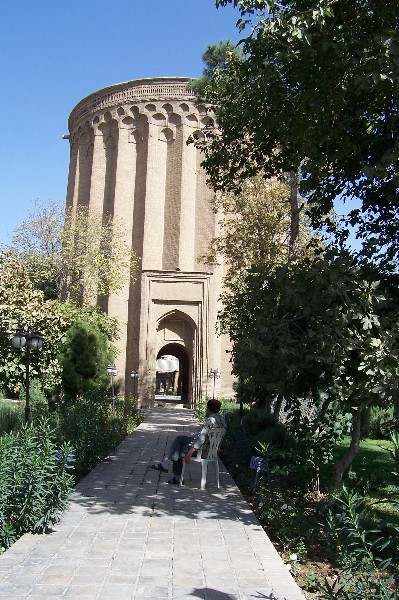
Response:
column 128, row 535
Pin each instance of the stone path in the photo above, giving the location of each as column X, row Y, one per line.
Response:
column 129, row 535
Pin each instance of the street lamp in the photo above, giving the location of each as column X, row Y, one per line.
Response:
column 135, row 376
column 214, row 374
column 112, row 372
column 31, row 341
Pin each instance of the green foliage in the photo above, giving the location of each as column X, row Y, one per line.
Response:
column 37, row 400
column 378, row 421
column 294, row 515
column 35, row 481
column 84, row 359
column 294, row 529
column 361, row 587
column 37, row 244
column 199, row 411
column 335, row 348
column 257, row 226
column 256, row 420
column 96, row 257
column 312, row 583
column 265, row 219
column 301, row 450
column 89, row 426
column 73, row 255
column 237, row 448
column 22, row 305
column 93, row 315
column 39, row 464
column 315, row 345
column 317, row 91
column 11, row 416
column 369, row 557
column 214, row 57
column 128, row 409
column 371, row 473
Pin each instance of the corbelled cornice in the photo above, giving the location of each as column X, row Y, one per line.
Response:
column 138, row 90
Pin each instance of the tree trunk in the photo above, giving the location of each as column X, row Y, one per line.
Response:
column 345, row 462
column 294, row 209
column 277, row 407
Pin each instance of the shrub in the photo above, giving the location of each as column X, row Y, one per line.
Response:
column 237, row 449
column 368, row 557
column 84, row 360
column 11, row 416
column 127, row 409
column 378, row 422
column 35, row 481
column 257, row 420
column 293, row 529
column 90, row 428
column 37, row 400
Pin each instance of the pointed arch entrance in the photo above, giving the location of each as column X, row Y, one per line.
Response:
column 177, row 337
column 181, row 381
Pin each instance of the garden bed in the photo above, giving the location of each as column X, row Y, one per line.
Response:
column 296, row 521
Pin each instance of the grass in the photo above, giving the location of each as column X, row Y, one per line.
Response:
column 373, row 460
column 372, row 471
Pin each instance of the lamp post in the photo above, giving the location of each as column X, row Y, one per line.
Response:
column 112, row 372
column 135, row 376
column 31, row 341
column 214, row 374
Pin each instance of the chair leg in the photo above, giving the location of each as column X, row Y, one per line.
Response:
column 204, row 473
column 182, row 473
column 217, row 472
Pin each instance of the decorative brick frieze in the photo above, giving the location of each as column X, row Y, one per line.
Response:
column 147, row 90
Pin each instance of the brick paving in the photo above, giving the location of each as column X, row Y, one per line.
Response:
column 129, row 535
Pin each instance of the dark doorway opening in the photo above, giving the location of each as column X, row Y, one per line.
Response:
column 180, row 379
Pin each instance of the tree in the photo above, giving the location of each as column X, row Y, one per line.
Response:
column 37, row 244
column 84, row 359
column 264, row 219
column 73, row 255
column 214, row 57
column 256, row 227
column 21, row 304
column 320, row 329
column 316, row 92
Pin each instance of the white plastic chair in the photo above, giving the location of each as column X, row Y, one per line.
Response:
column 215, row 436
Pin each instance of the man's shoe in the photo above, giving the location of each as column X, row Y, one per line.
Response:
column 159, row 467
column 174, row 481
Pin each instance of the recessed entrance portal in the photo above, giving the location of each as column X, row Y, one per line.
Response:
column 173, row 372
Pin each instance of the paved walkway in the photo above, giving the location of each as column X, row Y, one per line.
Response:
column 129, row 535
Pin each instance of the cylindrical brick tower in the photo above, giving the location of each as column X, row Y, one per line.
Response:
column 130, row 159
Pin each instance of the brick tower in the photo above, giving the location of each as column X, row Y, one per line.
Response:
column 129, row 159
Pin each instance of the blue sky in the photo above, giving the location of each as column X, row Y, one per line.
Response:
column 54, row 53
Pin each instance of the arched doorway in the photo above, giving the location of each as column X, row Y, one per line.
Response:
column 180, row 380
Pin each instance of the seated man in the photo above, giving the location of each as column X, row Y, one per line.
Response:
column 186, row 446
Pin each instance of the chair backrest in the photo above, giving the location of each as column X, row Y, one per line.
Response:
column 215, row 436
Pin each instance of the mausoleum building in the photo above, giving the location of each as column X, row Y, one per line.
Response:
column 130, row 159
